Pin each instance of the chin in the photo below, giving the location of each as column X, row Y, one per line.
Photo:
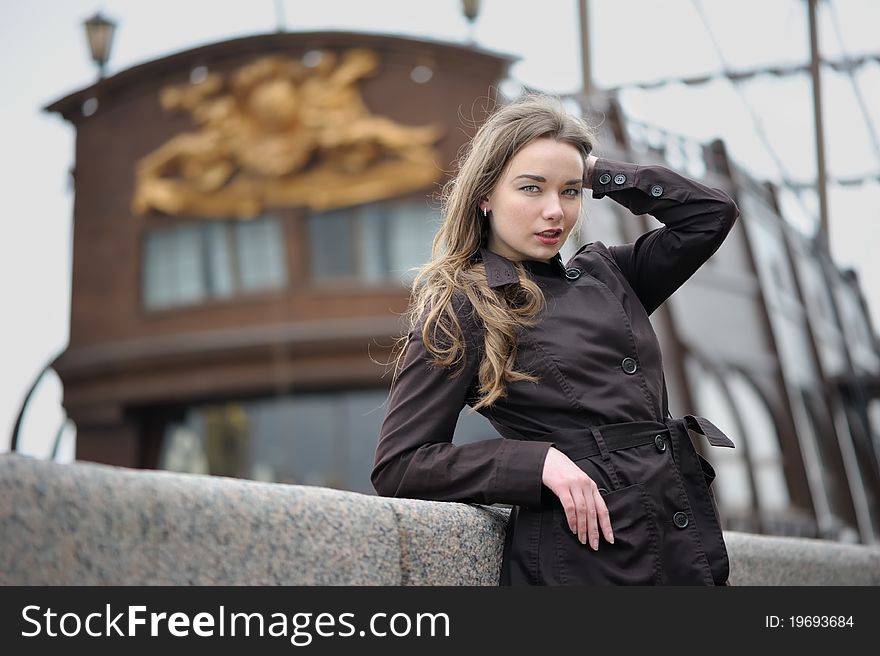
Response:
column 549, row 251
column 543, row 254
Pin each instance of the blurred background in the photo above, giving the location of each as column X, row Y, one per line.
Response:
column 211, row 212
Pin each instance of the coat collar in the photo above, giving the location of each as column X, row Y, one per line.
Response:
column 501, row 271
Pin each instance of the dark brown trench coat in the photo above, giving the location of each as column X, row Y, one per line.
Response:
column 601, row 400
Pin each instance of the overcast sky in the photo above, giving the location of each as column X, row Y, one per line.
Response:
column 45, row 57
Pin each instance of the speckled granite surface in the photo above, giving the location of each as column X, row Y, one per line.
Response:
column 87, row 524
column 768, row 560
column 94, row 525
column 449, row 543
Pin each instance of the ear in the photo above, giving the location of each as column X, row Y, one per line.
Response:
column 484, row 205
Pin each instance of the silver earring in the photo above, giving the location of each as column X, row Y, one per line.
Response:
column 485, row 212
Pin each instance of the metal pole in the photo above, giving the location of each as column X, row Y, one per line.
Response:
column 583, row 7
column 823, row 233
column 56, row 445
column 279, row 16
column 16, row 429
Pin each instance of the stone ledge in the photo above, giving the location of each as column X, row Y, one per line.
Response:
column 89, row 524
column 772, row 560
column 86, row 524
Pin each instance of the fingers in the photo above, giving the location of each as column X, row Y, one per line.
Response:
column 585, row 511
column 604, row 517
column 592, row 523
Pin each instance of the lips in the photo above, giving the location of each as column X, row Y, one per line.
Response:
column 549, row 237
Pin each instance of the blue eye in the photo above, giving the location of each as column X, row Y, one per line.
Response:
column 530, row 188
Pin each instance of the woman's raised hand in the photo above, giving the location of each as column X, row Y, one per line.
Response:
column 588, row 173
column 584, row 507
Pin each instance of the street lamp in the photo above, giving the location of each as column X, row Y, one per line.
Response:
column 471, row 9
column 99, row 32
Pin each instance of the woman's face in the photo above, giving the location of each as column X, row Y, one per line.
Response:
column 536, row 203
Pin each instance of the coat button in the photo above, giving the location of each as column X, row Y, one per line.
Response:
column 572, row 273
column 604, row 178
column 656, row 190
column 629, row 366
column 660, row 443
column 619, row 179
column 680, row 520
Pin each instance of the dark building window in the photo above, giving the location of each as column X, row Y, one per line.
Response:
column 211, row 260
column 373, row 243
column 325, row 439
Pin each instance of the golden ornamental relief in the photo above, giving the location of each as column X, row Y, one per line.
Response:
column 276, row 133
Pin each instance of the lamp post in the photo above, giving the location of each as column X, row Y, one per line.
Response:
column 99, row 32
column 279, row 16
column 583, row 15
column 471, row 9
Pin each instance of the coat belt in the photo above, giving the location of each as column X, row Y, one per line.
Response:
column 580, row 443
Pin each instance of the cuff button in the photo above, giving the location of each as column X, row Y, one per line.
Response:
column 604, row 178
column 619, row 179
column 656, row 190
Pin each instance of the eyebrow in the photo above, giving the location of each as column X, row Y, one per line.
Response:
column 541, row 178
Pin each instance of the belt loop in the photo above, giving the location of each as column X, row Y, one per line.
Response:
column 606, row 456
column 674, row 425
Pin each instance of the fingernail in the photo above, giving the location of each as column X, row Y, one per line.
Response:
column 611, row 541
column 595, row 545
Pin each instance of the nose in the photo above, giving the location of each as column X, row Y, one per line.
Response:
column 553, row 209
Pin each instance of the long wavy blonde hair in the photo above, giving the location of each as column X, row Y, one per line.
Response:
column 503, row 311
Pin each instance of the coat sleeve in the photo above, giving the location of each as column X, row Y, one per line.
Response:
column 696, row 220
column 415, row 456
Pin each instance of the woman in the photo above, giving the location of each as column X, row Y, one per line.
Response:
column 561, row 359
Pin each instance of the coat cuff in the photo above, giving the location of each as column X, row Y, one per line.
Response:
column 609, row 175
column 520, row 472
